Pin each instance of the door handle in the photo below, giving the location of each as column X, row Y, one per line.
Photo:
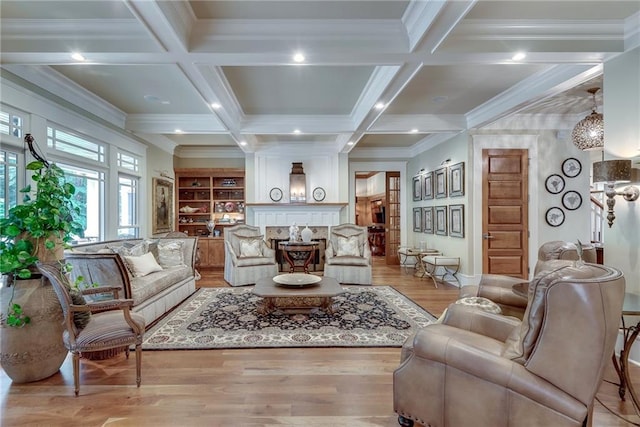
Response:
column 487, row 236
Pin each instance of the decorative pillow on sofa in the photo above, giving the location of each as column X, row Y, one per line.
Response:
column 170, row 254
column 251, row 247
column 348, row 246
column 142, row 265
column 130, row 249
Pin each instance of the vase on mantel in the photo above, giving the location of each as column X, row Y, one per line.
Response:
column 306, row 234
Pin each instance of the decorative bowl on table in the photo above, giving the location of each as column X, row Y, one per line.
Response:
column 296, row 279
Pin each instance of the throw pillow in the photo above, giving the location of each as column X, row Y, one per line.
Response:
column 170, row 254
column 80, row 319
column 348, row 246
column 130, row 249
column 251, row 248
column 142, row 265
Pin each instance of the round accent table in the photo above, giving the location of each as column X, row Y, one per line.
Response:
column 302, row 252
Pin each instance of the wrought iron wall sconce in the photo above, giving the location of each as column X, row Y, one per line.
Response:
column 614, row 172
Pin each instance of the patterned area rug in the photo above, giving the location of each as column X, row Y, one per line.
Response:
column 372, row 316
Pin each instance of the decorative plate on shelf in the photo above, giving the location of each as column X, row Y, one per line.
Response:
column 296, row 279
column 229, row 206
column 275, row 194
column 318, row 194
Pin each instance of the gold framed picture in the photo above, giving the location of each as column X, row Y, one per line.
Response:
column 162, row 206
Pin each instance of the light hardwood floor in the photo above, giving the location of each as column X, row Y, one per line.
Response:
column 266, row 387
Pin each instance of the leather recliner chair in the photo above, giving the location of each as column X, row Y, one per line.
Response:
column 499, row 288
column 481, row 369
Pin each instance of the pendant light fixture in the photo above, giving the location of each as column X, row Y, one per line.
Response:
column 588, row 134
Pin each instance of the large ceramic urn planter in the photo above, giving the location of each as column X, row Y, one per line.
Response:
column 34, row 351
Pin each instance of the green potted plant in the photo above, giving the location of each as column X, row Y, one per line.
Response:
column 39, row 229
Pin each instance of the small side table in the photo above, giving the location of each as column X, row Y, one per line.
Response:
column 298, row 251
column 631, row 307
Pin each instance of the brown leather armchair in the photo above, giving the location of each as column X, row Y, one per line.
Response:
column 481, row 369
column 499, row 288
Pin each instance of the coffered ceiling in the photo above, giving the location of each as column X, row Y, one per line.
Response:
column 223, row 73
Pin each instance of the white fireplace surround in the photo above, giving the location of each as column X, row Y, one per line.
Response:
column 283, row 215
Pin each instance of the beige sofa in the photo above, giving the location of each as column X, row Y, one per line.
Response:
column 128, row 265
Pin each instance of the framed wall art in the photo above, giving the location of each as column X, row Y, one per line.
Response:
column 162, row 206
column 571, row 167
column 441, row 220
column 571, row 200
column 417, row 219
column 554, row 184
column 417, row 188
column 427, row 186
column 427, row 220
column 554, row 216
column 441, row 183
column 456, row 220
column 456, row 180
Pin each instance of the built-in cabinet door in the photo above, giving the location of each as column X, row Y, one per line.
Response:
column 211, row 252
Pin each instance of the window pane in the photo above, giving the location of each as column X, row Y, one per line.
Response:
column 89, row 195
column 8, row 181
column 129, row 162
column 127, row 207
column 72, row 144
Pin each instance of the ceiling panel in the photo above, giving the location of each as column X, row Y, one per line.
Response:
column 455, row 89
column 296, row 138
column 546, row 9
column 126, row 86
column 94, row 9
column 337, row 9
column 297, row 89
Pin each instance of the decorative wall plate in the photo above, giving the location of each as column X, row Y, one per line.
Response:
column 319, row 194
column 571, row 167
column 275, row 194
column 296, row 279
column 554, row 184
column 554, row 216
column 229, row 206
column 571, row 200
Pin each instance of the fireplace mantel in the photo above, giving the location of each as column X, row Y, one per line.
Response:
column 285, row 214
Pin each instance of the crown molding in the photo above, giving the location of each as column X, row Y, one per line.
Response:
column 168, row 123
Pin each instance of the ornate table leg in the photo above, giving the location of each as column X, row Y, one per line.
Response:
column 630, row 334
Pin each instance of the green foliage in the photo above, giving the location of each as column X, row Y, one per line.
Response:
column 50, row 214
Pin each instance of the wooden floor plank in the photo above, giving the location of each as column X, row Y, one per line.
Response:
column 246, row 387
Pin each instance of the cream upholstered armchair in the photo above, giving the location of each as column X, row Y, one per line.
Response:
column 247, row 257
column 482, row 369
column 348, row 255
column 96, row 326
column 499, row 288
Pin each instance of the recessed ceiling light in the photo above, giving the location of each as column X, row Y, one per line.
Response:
column 350, row 143
column 216, row 106
column 243, row 143
column 296, row 131
column 519, row 56
column 178, row 131
column 414, row 131
column 78, row 56
column 298, row 57
column 379, row 105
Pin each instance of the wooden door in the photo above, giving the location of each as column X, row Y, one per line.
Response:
column 505, row 212
column 392, row 217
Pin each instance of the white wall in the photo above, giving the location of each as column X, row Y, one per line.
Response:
column 457, row 150
column 622, row 140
